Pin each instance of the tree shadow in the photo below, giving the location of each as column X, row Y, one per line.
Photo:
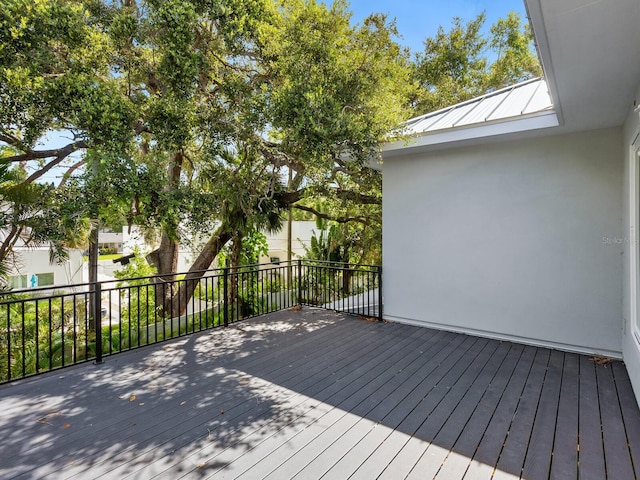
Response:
column 261, row 395
column 145, row 405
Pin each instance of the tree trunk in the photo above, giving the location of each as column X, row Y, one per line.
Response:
column 347, row 274
column 209, row 252
column 165, row 259
column 7, row 245
column 233, row 300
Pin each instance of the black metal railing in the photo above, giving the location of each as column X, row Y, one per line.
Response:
column 43, row 329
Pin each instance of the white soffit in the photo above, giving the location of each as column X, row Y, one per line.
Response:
column 590, row 53
column 521, row 107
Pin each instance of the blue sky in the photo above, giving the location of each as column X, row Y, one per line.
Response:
column 420, row 19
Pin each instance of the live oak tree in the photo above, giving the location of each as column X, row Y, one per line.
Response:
column 53, row 75
column 464, row 62
column 192, row 113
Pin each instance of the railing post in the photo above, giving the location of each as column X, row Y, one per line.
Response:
column 225, row 295
column 300, row 282
column 380, row 318
column 97, row 319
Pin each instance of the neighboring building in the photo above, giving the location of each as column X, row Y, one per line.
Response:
column 131, row 238
column 110, row 241
column 516, row 215
column 301, row 234
column 33, row 269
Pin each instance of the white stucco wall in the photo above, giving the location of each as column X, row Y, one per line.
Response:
column 519, row 240
column 35, row 260
column 631, row 277
column 301, row 233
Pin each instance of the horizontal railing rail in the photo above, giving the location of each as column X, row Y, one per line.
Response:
column 47, row 328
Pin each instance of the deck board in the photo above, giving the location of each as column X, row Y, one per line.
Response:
column 467, row 398
column 450, row 411
column 564, row 464
column 169, row 429
column 317, row 394
column 591, row 464
column 469, row 439
column 628, row 407
column 354, row 380
column 616, row 452
column 515, row 447
column 538, row 459
column 380, row 386
column 312, row 376
column 488, row 451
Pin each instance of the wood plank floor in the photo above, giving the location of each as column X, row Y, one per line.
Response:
column 314, row 394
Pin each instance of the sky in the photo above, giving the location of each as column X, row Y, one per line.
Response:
column 419, row 19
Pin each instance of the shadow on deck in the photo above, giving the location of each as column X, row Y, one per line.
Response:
column 312, row 393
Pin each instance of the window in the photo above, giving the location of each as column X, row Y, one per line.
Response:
column 44, row 279
column 16, row 282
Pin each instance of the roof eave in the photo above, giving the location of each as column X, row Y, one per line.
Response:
column 536, row 20
column 471, row 134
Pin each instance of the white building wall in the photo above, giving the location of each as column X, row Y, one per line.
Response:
column 631, row 277
column 35, row 261
column 301, row 233
column 133, row 238
column 519, row 240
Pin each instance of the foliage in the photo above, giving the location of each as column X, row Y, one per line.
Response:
column 35, row 214
column 334, row 83
column 137, row 293
column 515, row 62
column 328, row 244
column 253, row 246
column 185, row 117
column 132, row 272
column 190, row 114
column 42, row 334
column 463, row 63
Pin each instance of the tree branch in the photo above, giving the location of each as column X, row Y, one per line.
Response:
column 362, row 220
column 5, row 247
column 286, row 199
column 67, row 175
column 59, row 153
column 358, row 197
column 9, row 139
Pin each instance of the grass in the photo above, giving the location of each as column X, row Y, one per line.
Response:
column 111, row 256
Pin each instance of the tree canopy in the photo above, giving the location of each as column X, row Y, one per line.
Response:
column 211, row 118
column 464, row 62
column 191, row 114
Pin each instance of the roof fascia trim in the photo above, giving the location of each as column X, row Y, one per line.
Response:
column 538, row 121
column 536, row 19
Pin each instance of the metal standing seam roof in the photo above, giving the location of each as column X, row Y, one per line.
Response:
column 523, row 99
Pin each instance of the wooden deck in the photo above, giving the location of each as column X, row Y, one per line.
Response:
column 315, row 394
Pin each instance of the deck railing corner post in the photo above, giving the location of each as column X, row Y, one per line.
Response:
column 380, row 317
column 225, row 295
column 300, row 282
column 97, row 319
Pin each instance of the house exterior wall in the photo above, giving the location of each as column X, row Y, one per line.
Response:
column 35, row 261
column 518, row 240
column 301, row 233
column 631, row 277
